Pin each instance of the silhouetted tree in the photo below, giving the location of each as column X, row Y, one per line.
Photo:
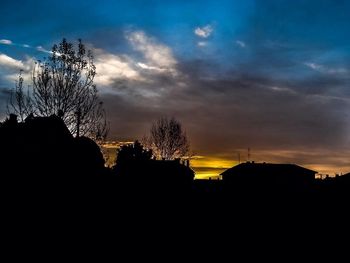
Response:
column 167, row 139
column 63, row 84
column 20, row 103
column 133, row 152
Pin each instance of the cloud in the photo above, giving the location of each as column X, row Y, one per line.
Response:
column 266, row 100
column 204, row 32
column 9, row 72
column 41, row 49
column 157, row 56
column 324, row 69
column 146, row 67
column 111, row 67
column 240, row 43
column 202, row 44
column 6, row 42
column 10, row 68
column 314, row 66
column 276, row 117
column 9, row 62
column 157, row 63
column 10, row 43
column 146, row 70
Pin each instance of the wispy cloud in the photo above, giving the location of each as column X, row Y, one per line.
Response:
column 146, row 67
column 41, row 49
column 202, row 44
column 157, row 56
column 204, row 32
column 240, row 43
column 11, row 43
column 5, row 42
column 324, row 69
column 314, row 66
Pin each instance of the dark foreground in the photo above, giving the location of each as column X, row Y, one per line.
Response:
column 111, row 193
column 64, row 217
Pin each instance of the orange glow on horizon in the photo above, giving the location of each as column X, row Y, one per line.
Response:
column 206, row 167
column 210, row 167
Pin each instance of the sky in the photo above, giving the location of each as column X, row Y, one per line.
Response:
column 269, row 75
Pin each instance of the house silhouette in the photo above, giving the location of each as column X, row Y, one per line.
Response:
column 44, row 147
column 269, row 176
column 155, row 175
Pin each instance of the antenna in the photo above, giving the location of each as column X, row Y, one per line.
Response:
column 248, row 154
column 239, row 157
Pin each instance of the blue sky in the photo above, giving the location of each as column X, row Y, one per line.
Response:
column 272, row 75
column 42, row 23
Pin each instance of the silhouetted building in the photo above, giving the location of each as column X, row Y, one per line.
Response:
column 44, row 146
column 343, row 179
column 155, row 174
column 269, row 176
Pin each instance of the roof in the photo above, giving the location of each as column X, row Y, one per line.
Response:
column 267, row 168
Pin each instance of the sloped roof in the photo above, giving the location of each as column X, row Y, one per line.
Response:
column 267, row 168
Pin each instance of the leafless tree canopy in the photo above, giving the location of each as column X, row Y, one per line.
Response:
column 167, row 139
column 20, row 102
column 63, row 84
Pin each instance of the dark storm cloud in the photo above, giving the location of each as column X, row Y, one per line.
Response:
column 242, row 113
column 245, row 110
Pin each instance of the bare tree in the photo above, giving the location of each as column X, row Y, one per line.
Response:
column 20, row 103
column 63, row 84
column 167, row 139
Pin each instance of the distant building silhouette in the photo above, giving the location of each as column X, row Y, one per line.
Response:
column 268, row 175
column 158, row 175
column 343, row 180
